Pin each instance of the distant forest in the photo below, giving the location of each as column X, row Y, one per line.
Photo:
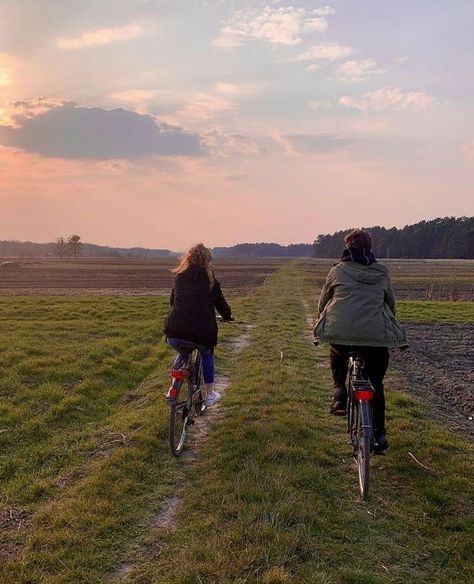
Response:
column 29, row 249
column 447, row 237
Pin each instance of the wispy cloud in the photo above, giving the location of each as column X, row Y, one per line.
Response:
column 388, row 98
column 325, row 52
column 224, row 144
column 358, row 70
column 101, row 36
column 276, row 25
column 16, row 112
column 203, row 107
column 321, row 143
column 319, row 104
column 137, row 95
column 237, row 89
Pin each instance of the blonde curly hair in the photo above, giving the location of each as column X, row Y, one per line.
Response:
column 198, row 255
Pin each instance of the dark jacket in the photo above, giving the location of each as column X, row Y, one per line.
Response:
column 357, row 307
column 192, row 316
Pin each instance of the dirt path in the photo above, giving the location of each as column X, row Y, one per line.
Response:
column 166, row 519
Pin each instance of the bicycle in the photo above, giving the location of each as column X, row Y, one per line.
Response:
column 359, row 418
column 193, row 402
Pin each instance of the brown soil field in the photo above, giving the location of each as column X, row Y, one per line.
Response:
column 123, row 276
column 439, row 369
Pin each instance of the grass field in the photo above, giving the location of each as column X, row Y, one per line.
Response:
column 270, row 496
column 426, row 311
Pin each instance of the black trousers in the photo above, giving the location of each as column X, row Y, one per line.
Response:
column 376, row 362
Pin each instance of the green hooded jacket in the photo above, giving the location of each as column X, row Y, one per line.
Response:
column 357, row 307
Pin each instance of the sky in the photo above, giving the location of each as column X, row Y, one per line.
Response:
column 162, row 123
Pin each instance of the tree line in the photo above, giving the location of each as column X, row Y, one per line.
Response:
column 59, row 248
column 445, row 237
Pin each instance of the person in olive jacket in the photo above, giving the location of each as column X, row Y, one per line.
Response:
column 191, row 322
column 356, row 311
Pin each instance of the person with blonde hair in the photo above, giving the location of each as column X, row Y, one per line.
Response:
column 356, row 312
column 191, row 322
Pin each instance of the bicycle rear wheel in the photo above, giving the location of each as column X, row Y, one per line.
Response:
column 198, row 387
column 363, row 448
column 178, row 423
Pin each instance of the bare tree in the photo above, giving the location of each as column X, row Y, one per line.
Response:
column 61, row 247
column 74, row 245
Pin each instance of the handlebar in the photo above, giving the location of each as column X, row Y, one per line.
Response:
column 220, row 319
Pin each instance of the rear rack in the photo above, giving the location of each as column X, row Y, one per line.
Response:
column 362, row 385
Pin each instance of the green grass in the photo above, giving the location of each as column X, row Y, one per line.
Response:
column 277, row 497
column 84, row 459
column 425, row 311
column 65, row 365
column 272, row 495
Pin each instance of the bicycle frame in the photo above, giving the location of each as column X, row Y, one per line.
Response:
column 359, row 419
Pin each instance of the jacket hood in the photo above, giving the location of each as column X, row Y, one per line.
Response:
column 372, row 274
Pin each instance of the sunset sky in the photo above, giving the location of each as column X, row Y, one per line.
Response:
column 166, row 122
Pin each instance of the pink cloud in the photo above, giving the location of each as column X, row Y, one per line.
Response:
column 101, row 36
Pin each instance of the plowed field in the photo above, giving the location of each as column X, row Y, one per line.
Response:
column 129, row 276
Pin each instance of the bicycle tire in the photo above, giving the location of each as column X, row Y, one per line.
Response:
column 178, row 423
column 198, row 390
column 363, row 449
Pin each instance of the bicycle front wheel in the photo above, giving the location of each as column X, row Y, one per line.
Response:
column 198, row 387
column 363, row 449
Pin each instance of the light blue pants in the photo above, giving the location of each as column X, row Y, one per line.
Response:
column 184, row 348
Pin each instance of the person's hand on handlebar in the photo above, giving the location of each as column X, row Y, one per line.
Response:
column 219, row 318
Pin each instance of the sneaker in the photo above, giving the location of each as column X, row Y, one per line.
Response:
column 339, row 402
column 212, row 398
column 380, row 444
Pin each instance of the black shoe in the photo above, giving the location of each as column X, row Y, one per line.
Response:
column 380, row 444
column 339, row 402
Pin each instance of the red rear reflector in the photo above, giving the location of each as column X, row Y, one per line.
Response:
column 179, row 374
column 172, row 392
column 363, row 394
